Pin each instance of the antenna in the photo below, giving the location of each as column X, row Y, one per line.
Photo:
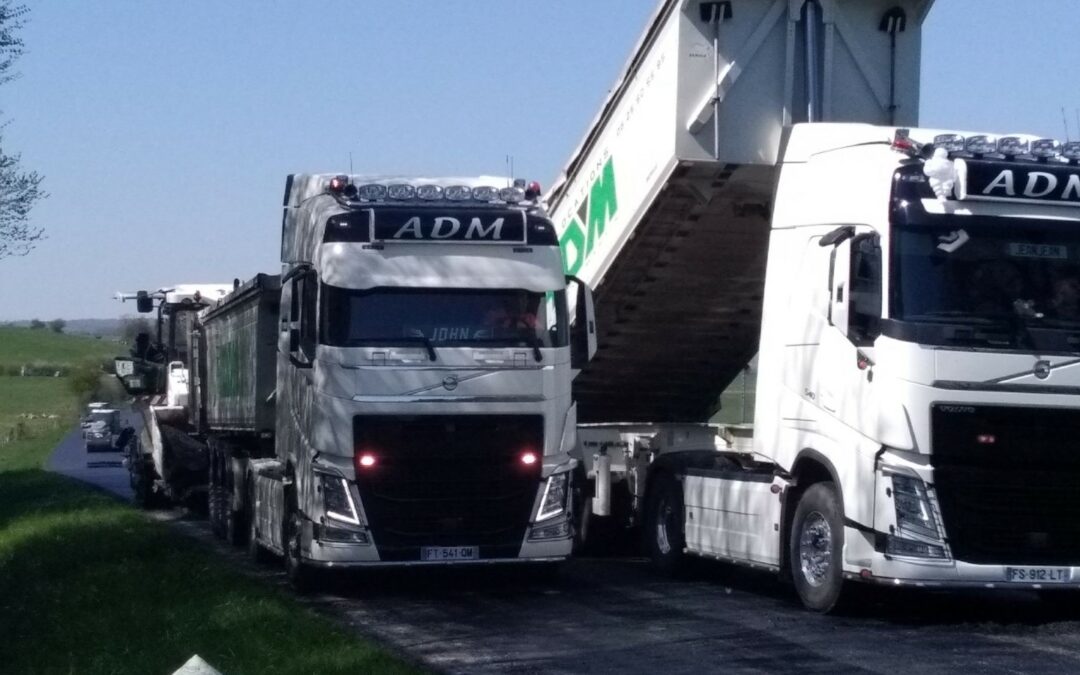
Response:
column 350, row 163
column 1065, row 121
column 510, row 169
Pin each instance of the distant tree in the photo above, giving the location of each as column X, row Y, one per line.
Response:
column 36, row 324
column 57, row 325
column 19, row 189
column 132, row 326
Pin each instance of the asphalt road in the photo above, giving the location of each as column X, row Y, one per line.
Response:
column 613, row 615
column 101, row 469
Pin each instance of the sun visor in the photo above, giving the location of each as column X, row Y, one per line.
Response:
column 360, row 266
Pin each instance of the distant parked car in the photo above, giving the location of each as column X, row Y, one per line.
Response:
column 84, row 422
column 102, row 427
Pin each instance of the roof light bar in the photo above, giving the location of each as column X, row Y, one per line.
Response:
column 429, row 192
column 458, row 193
column 1011, row 146
column 950, row 142
column 512, row 195
column 1071, row 151
column 400, row 191
column 1045, row 148
column 372, row 191
column 981, row 145
column 485, row 193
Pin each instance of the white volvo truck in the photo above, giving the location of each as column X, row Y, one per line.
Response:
column 751, row 187
column 400, row 395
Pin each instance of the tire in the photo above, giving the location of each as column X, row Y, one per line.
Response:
column 256, row 552
column 816, row 548
column 582, row 494
column 216, row 497
column 665, row 538
column 302, row 577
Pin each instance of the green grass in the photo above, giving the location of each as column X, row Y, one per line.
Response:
column 89, row 585
column 21, row 346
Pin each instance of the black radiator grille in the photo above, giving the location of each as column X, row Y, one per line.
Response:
column 442, row 480
column 1007, row 480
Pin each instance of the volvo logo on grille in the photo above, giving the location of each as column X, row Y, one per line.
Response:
column 1042, row 369
column 450, row 382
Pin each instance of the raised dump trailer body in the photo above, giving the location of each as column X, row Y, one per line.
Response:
column 664, row 207
column 915, row 308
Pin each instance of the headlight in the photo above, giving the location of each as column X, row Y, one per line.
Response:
column 913, row 512
column 337, row 501
column 553, row 502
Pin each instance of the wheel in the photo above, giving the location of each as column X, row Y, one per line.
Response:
column 302, row 577
column 581, row 496
column 216, row 498
column 255, row 550
column 664, row 535
column 816, row 547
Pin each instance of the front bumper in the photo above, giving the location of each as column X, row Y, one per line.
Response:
column 864, row 564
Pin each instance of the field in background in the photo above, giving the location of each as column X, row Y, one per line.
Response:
column 89, row 585
column 41, row 347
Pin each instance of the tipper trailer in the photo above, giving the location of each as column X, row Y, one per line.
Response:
column 754, row 185
column 400, row 394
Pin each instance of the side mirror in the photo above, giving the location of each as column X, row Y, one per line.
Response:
column 144, row 304
column 583, row 329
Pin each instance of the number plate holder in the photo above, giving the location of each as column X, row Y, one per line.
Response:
column 449, row 553
column 1039, row 575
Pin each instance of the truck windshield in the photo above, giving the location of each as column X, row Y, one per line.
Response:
column 986, row 271
column 352, row 318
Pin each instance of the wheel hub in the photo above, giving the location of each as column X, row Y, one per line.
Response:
column 815, row 549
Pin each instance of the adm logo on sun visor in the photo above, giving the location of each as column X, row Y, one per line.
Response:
column 590, row 218
column 458, row 225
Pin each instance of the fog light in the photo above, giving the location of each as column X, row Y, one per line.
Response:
column 560, row 530
column 340, row 535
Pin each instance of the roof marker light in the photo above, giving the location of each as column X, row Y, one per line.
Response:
column 902, row 142
column 485, row 193
column 372, row 191
column 533, row 191
column 511, row 195
column 981, row 145
column 1071, row 151
column 429, row 192
column 338, row 183
column 400, row 191
column 1045, row 148
column 457, row 193
column 950, row 142
column 1012, row 146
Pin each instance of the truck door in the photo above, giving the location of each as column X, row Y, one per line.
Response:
column 846, row 358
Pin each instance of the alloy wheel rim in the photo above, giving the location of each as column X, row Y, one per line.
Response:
column 815, row 549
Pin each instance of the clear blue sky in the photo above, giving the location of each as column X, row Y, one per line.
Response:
column 165, row 129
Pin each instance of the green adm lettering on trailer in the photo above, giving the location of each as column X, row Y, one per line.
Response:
column 600, row 207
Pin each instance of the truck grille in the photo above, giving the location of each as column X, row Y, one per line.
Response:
column 1006, row 479
column 443, row 480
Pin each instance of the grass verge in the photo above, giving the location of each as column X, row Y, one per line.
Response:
column 88, row 585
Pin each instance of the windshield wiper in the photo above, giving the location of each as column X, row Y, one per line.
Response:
column 956, row 316
column 411, row 339
column 529, row 340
